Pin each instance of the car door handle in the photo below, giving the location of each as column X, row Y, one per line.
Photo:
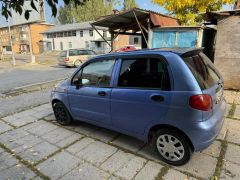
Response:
column 102, row 93
column 158, row 98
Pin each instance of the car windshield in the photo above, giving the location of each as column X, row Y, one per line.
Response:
column 203, row 70
column 63, row 54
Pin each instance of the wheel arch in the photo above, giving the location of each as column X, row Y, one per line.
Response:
column 165, row 126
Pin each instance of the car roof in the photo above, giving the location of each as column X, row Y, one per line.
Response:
column 183, row 52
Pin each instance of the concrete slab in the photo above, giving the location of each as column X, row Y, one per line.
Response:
column 149, row 152
column 233, row 127
column 116, row 161
column 103, row 134
column 6, row 161
column 41, row 128
column 176, row 175
column 237, row 112
column 4, row 127
column 149, row 172
column 78, row 146
column 200, row 165
column 129, row 170
column 17, row 172
column 68, row 140
column 129, row 143
column 59, row 165
column 100, row 151
column 214, row 149
column 86, row 171
column 233, row 153
column 230, row 171
column 11, row 136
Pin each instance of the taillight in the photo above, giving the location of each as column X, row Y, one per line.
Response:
column 66, row 59
column 201, row 102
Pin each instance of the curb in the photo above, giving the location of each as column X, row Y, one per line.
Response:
column 30, row 88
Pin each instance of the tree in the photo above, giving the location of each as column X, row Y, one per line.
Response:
column 188, row 11
column 89, row 11
column 17, row 5
column 129, row 4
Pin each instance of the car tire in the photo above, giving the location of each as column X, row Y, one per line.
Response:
column 61, row 113
column 77, row 63
column 172, row 147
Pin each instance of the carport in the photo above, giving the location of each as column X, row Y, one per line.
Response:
column 133, row 22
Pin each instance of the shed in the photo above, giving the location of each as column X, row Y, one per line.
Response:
column 227, row 48
column 134, row 22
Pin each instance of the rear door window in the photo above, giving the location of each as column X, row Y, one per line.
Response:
column 63, row 54
column 73, row 52
column 203, row 70
column 145, row 73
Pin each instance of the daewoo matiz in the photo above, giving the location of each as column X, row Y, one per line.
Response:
column 171, row 97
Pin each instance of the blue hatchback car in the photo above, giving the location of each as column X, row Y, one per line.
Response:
column 172, row 98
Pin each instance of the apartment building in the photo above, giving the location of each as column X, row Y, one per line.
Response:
column 76, row 35
column 23, row 35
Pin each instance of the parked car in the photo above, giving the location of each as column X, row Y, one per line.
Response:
column 74, row 57
column 126, row 48
column 172, row 98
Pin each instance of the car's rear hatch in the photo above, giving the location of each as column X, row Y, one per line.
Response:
column 62, row 56
column 209, row 79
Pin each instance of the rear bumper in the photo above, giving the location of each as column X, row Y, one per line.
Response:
column 204, row 133
column 65, row 64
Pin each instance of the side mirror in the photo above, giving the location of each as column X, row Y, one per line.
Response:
column 77, row 83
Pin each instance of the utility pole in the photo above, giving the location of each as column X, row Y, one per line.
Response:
column 10, row 39
column 30, row 45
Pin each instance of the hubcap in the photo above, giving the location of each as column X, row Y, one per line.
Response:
column 60, row 114
column 77, row 63
column 170, row 147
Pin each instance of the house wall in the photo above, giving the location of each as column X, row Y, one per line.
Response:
column 76, row 41
column 227, row 51
column 120, row 41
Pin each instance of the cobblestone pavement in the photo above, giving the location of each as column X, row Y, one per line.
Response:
column 34, row 146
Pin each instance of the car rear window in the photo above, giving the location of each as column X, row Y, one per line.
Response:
column 203, row 70
column 63, row 54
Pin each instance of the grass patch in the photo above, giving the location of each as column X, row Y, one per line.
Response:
column 232, row 111
column 163, row 172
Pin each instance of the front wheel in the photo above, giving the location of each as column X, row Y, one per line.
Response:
column 77, row 63
column 61, row 113
column 172, row 147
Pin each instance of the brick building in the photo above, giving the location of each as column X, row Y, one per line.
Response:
column 22, row 36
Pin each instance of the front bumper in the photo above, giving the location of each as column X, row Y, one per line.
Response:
column 204, row 133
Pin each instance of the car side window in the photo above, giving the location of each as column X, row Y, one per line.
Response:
column 82, row 52
column 96, row 74
column 73, row 52
column 145, row 73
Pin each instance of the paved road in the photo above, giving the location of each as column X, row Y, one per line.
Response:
column 28, row 74
column 33, row 146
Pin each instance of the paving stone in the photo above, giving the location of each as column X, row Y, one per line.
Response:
column 17, row 172
column 57, row 135
column 10, row 118
column 41, row 128
column 24, row 143
column 116, row 161
column 237, row 112
column 214, row 149
column 42, row 114
column 4, row 127
column 230, row 96
column 97, row 152
column 237, row 98
column 176, row 175
column 233, row 153
column 150, row 171
column 86, row 171
column 103, row 134
column 129, row 143
column 200, row 165
column 129, row 170
column 19, row 120
column 38, row 152
column 58, row 165
column 83, row 128
column 149, row 152
column 11, row 136
column 78, row 146
column 230, row 171
column 114, row 178
column 233, row 127
column 6, row 161
column 222, row 133
column 42, row 107
column 50, row 118
column 26, row 113
column 68, row 140
column 229, row 106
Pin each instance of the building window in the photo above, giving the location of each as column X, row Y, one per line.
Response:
column 135, row 41
column 69, row 33
column 65, row 34
column 73, row 33
column 91, row 33
column 86, row 44
column 81, row 33
column 104, row 33
column 61, row 46
column 69, row 44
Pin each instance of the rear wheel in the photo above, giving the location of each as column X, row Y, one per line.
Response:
column 61, row 113
column 77, row 63
column 172, row 147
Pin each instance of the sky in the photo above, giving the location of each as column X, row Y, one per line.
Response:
column 144, row 4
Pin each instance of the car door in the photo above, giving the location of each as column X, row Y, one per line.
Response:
column 91, row 101
column 142, row 94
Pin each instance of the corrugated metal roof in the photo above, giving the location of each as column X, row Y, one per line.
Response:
column 71, row 27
